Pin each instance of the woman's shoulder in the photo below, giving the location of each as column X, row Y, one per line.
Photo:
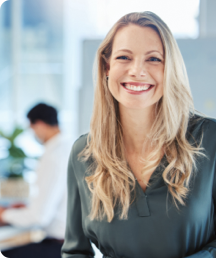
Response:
column 77, row 165
column 200, row 123
column 199, row 119
column 75, row 160
column 80, row 143
column 78, row 146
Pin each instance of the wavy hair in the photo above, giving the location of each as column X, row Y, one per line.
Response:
column 110, row 179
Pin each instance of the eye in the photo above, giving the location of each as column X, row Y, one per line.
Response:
column 154, row 59
column 123, row 57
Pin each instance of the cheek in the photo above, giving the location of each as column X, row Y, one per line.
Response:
column 115, row 75
column 158, row 75
column 161, row 73
column 116, row 70
column 112, row 88
column 160, row 80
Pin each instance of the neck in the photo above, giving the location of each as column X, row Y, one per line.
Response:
column 136, row 126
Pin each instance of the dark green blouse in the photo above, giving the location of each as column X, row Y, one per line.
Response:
column 155, row 228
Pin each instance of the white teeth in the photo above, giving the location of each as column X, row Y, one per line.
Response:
column 136, row 88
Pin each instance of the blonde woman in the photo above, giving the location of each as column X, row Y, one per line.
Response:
column 141, row 183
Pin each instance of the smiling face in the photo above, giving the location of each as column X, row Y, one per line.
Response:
column 136, row 67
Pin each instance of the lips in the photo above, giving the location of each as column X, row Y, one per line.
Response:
column 137, row 87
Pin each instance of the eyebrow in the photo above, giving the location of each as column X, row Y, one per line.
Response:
column 127, row 50
column 149, row 52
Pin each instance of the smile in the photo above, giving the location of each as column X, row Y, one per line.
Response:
column 137, row 87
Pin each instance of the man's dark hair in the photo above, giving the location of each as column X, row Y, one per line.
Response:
column 43, row 112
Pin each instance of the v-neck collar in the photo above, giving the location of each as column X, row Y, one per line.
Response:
column 154, row 176
column 155, row 181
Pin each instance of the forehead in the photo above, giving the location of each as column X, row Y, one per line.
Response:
column 137, row 38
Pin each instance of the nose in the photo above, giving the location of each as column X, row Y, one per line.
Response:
column 137, row 69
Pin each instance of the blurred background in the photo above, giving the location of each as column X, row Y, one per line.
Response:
column 47, row 49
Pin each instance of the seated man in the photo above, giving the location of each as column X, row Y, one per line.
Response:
column 48, row 209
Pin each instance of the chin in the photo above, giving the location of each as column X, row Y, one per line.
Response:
column 138, row 106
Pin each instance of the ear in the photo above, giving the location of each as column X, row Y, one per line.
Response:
column 107, row 69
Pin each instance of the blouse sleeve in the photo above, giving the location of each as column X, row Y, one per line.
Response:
column 209, row 250
column 205, row 252
column 76, row 244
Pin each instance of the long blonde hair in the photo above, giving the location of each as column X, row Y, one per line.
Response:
column 110, row 180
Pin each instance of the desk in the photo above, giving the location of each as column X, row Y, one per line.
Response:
column 12, row 236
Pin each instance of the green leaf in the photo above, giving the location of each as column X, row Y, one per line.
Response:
column 17, row 131
column 4, row 135
column 16, row 152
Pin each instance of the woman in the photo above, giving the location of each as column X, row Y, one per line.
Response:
column 141, row 184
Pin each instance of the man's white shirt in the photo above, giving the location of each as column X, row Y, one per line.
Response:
column 48, row 209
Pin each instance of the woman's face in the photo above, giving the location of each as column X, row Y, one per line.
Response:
column 136, row 67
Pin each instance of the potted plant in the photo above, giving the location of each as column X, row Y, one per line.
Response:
column 12, row 167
